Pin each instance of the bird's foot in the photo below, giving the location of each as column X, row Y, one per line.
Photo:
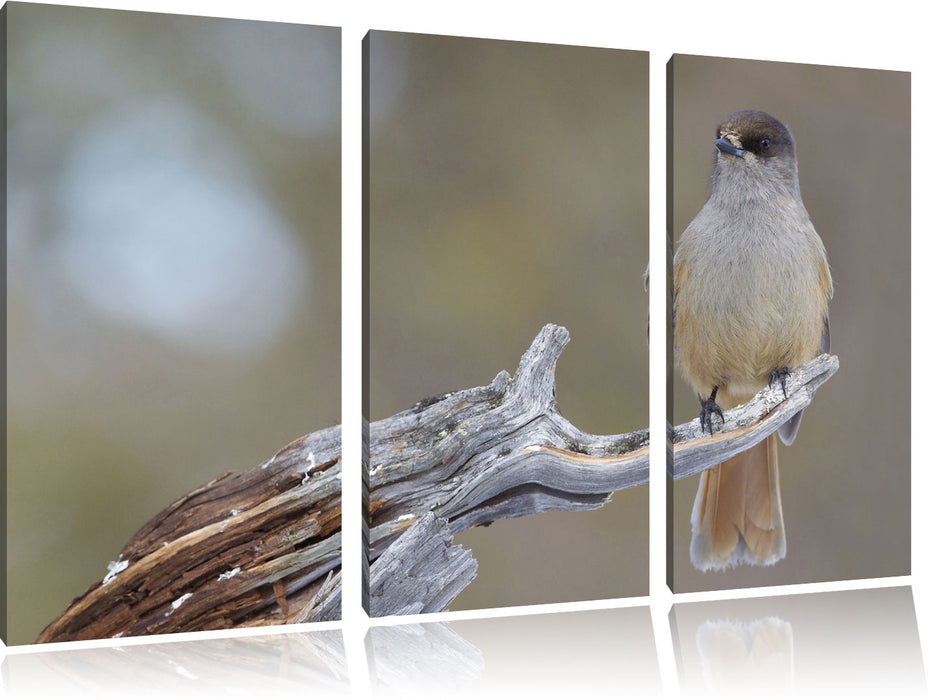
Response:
column 779, row 375
column 709, row 408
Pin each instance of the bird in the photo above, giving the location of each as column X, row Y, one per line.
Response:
column 751, row 294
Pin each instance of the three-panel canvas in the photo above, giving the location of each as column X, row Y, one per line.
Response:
column 173, row 303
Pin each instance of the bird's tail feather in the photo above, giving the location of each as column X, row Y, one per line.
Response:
column 737, row 516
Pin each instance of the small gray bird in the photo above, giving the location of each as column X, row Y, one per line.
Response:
column 751, row 300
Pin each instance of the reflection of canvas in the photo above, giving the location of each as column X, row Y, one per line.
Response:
column 506, row 191
column 854, row 188
column 859, row 642
column 172, row 304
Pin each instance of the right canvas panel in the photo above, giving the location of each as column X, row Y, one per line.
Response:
column 785, row 249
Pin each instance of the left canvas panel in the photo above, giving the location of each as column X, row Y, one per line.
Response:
column 172, row 241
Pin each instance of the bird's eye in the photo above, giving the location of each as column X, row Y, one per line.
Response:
column 765, row 144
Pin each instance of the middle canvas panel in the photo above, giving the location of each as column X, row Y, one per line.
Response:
column 505, row 224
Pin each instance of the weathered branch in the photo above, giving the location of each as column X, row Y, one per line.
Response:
column 405, row 579
column 480, row 455
column 747, row 425
column 262, row 547
column 504, row 451
column 497, row 451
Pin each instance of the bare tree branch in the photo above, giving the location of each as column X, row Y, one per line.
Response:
column 263, row 547
column 504, row 451
column 747, row 425
column 405, row 579
column 493, row 452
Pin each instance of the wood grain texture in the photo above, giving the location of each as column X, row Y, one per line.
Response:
column 405, row 579
column 262, row 547
column 493, row 452
column 692, row 451
column 503, row 451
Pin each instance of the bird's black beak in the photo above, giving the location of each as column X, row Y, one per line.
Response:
column 725, row 146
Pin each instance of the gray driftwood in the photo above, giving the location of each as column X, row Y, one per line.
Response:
column 498, row 451
column 405, row 579
column 503, row 451
column 745, row 426
column 263, row 547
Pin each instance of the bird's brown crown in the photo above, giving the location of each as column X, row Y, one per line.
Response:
column 757, row 132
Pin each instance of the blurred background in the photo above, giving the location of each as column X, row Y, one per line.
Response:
column 845, row 482
column 508, row 189
column 173, row 239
